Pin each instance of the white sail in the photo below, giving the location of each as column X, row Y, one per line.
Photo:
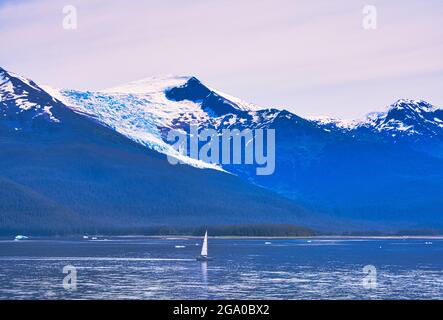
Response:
column 205, row 245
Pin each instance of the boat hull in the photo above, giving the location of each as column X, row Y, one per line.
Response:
column 203, row 258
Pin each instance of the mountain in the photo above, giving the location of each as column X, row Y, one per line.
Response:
column 414, row 123
column 66, row 170
column 23, row 103
column 380, row 172
column 144, row 112
column 408, row 118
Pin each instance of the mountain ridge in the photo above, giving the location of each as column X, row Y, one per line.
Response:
column 320, row 165
column 353, row 176
column 79, row 175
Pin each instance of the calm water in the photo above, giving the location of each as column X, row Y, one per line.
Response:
column 242, row 269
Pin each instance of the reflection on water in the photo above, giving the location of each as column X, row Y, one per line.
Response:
column 242, row 269
column 204, row 265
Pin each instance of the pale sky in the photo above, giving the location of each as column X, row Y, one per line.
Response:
column 311, row 57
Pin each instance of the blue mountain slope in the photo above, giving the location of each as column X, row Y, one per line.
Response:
column 385, row 170
column 64, row 172
column 382, row 172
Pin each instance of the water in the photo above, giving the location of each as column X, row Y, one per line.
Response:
column 127, row 268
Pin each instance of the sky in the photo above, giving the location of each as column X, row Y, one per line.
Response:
column 313, row 58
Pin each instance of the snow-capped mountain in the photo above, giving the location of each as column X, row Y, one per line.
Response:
column 23, row 103
column 369, row 172
column 405, row 118
column 62, row 170
column 372, row 169
column 138, row 110
column 408, row 118
column 147, row 109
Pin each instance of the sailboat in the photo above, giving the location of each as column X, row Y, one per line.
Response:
column 204, row 254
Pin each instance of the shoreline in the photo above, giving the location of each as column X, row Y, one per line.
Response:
column 284, row 237
column 101, row 238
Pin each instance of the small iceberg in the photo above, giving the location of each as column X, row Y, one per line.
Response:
column 94, row 238
column 267, row 242
column 85, row 237
column 180, row 247
column 20, row 237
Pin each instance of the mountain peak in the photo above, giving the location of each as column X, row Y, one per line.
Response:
column 151, row 85
column 413, row 105
column 407, row 117
column 23, row 102
column 5, row 78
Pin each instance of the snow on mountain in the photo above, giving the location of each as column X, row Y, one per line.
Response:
column 405, row 117
column 146, row 110
column 329, row 123
column 141, row 111
column 408, row 117
column 22, row 102
column 242, row 105
column 151, row 85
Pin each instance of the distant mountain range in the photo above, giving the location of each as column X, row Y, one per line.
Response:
column 81, row 160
